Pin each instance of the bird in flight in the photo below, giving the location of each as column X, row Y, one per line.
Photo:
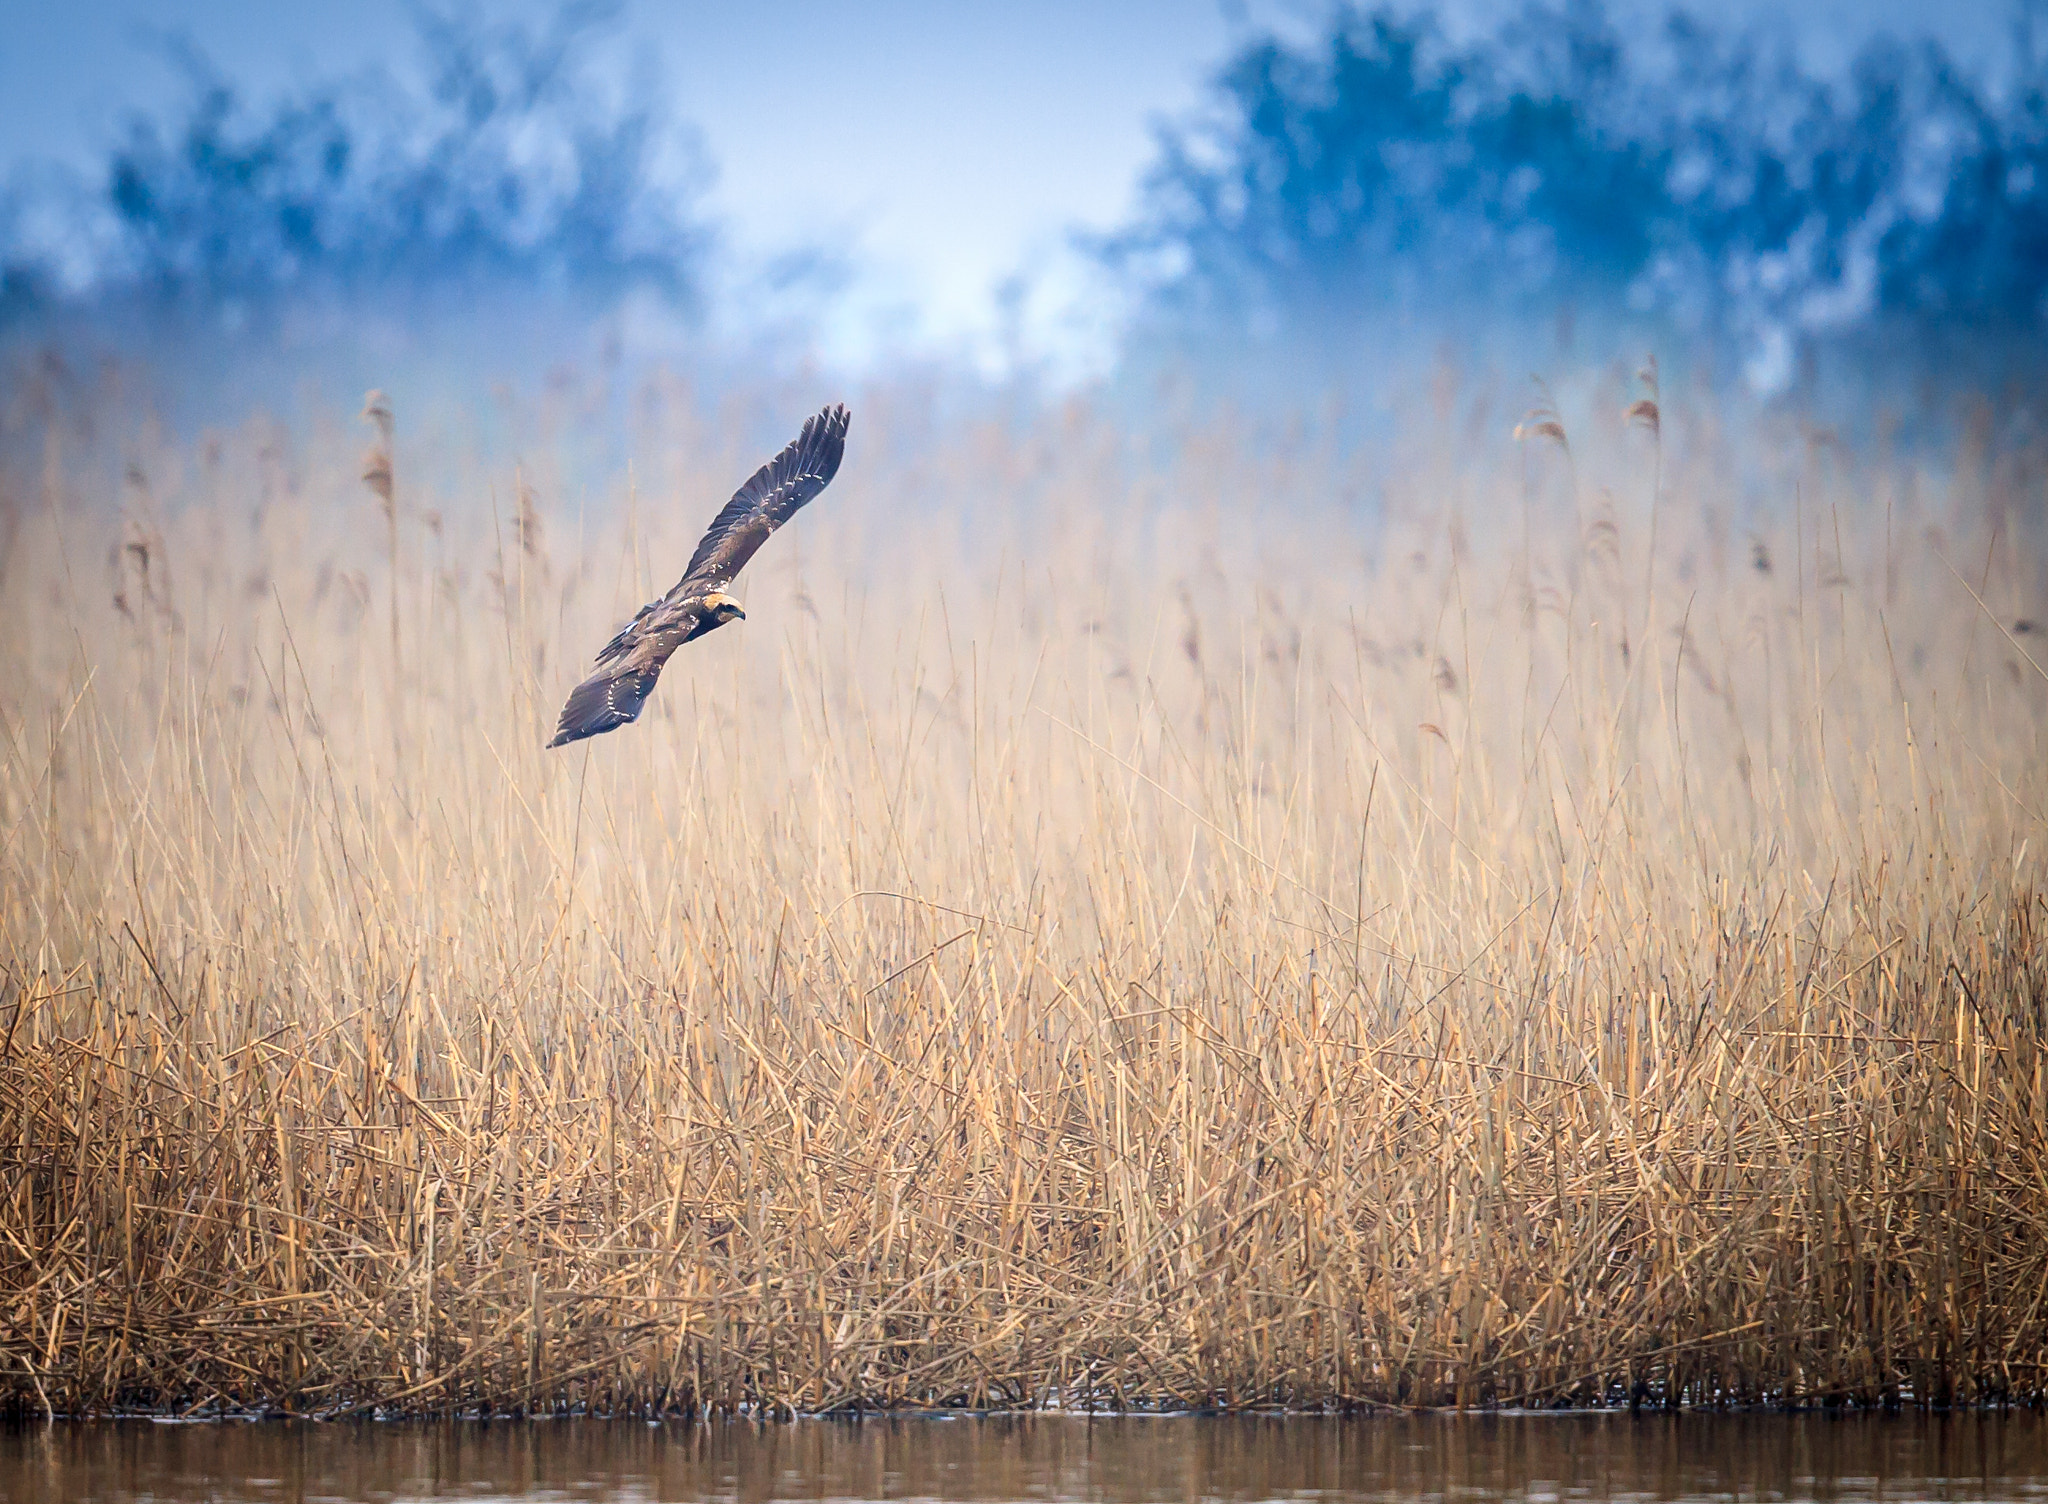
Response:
column 628, row 665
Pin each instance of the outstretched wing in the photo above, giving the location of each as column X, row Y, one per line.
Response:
column 626, row 669
column 608, row 698
column 763, row 504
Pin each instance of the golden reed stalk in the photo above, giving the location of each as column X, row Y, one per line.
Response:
column 1107, row 930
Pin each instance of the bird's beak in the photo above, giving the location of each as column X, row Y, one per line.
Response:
column 738, row 611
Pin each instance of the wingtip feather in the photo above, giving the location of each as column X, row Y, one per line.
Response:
column 824, row 439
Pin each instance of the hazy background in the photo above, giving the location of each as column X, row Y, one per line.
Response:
column 938, row 155
column 1840, row 208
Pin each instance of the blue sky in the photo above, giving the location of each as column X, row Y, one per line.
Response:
column 944, row 149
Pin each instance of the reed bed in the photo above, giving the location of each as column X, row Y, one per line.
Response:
column 1193, row 921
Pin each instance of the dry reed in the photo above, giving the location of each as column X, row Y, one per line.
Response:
column 1141, row 945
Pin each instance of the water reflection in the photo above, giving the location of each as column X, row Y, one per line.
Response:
column 1418, row 1459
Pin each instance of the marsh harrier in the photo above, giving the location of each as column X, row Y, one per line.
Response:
column 628, row 665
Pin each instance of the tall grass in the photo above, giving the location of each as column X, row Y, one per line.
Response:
column 1121, row 923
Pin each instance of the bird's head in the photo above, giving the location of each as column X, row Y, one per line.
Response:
column 720, row 608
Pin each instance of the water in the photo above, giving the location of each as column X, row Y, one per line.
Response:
column 1541, row 1459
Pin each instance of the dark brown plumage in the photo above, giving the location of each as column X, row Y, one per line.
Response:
column 628, row 665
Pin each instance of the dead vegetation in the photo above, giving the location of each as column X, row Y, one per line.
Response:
column 1165, row 938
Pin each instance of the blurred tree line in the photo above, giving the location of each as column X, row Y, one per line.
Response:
column 504, row 160
column 1683, row 185
column 1688, row 183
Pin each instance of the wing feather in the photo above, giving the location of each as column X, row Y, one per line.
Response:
column 626, row 639
column 769, row 499
column 609, row 698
